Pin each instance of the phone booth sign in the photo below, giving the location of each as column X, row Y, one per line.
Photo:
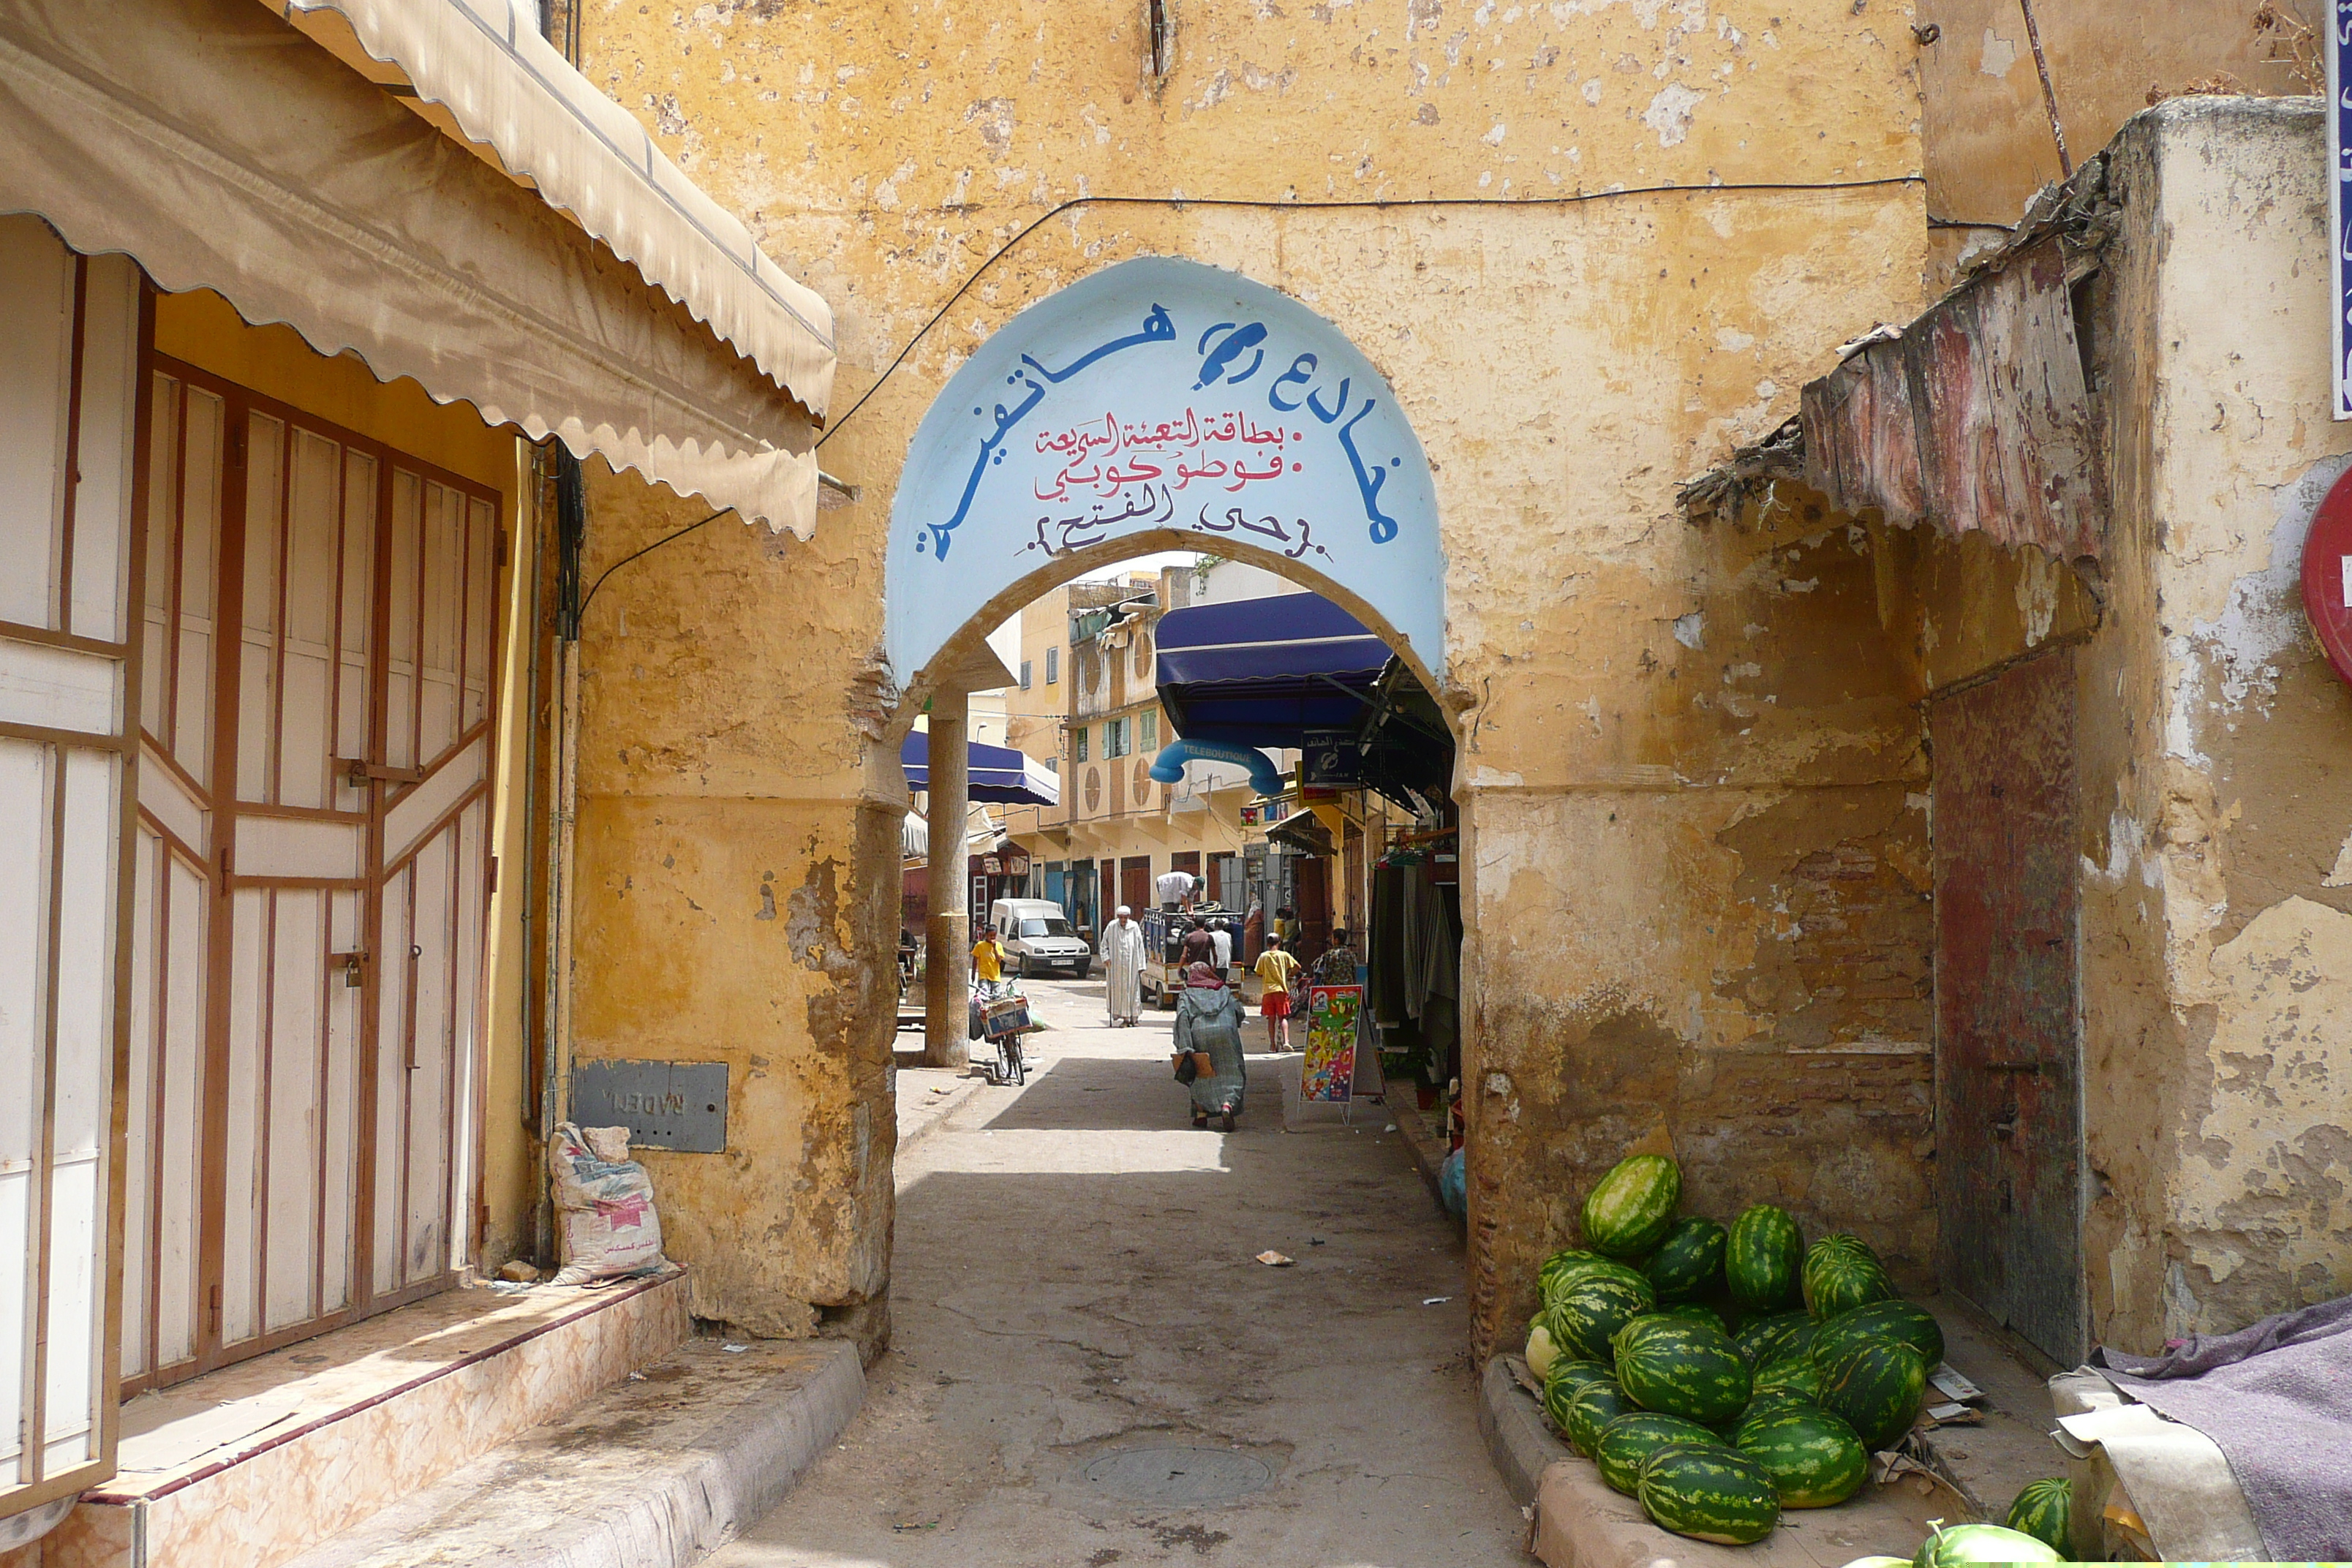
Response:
column 2327, row 576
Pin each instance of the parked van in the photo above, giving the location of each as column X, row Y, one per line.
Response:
column 1037, row 938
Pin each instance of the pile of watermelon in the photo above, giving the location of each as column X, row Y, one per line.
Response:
column 1720, row 1373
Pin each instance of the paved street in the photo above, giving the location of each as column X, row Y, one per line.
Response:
column 1074, row 1282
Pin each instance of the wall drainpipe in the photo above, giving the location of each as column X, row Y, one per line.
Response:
column 555, row 1067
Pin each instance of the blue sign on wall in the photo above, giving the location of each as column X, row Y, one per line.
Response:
column 2339, row 117
column 1158, row 395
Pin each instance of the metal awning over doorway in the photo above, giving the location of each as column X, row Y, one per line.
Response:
column 426, row 185
column 1266, row 672
column 999, row 775
column 1303, row 831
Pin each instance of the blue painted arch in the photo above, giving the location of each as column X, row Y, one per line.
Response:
column 1163, row 404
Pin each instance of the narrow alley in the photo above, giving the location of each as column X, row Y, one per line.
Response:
column 1077, row 1291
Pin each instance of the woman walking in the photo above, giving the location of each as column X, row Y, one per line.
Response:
column 1275, row 969
column 1209, row 1021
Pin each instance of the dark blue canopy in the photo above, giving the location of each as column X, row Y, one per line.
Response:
column 999, row 775
column 1265, row 672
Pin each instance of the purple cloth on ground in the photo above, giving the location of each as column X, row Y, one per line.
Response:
column 2276, row 1398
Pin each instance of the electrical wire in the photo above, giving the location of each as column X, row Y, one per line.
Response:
column 589, row 597
column 1357, row 204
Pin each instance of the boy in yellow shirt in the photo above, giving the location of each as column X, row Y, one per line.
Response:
column 988, row 961
column 1274, row 968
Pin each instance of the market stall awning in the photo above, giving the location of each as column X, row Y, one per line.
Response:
column 1302, row 830
column 1265, row 672
column 220, row 148
column 1000, row 775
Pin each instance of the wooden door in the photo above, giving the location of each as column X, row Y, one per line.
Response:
column 68, row 708
column 312, row 878
column 2008, row 1047
column 1135, row 883
column 1314, row 906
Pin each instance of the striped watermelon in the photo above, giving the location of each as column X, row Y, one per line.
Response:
column 1768, row 1338
column 1770, row 1402
column 1790, row 1372
column 2043, row 1511
column 1629, row 1210
column 1595, row 1405
column 1689, row 1261
column 1814, row 1458
column 1590, row 1307
column 1625, row 1442
column 1696, row 1313
column 1841, row 1273
column 1559, row 1263
column 1877, row 1385
column 1763, row 1254
column 1890, row 1319
column 1708, row 1492
column 1681, row 1368
column 1565, row 1380
column 1966, row 1543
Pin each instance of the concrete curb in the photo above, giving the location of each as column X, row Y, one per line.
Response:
column 1519, row 1439
column 656, row 1472
column 935, row 1108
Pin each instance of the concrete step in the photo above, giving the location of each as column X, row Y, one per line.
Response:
column 655, row 1472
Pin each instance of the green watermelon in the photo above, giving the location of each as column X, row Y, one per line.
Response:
column 1814, row 1458
column 1709, row 1493
column 1595, row 1268
column 1791, row 1372
column 1628, row 1211
column 1890, row 1319
column 1877, row 1386
column 2042, row 1512
column 1770, row 1402
column 1565, row 1381
column 1562, row 1262
column 1625, row 1442
column 1689, row 1261
column 1681, row 1368
column 1979, row 1543
column 1592, row 1307
column 1594, row 1406
column 1841, row 1273
column 1696, row 1313
column 1763, row 1254
column 1767, row 1338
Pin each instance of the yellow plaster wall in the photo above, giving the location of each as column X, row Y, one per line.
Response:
column 1564, row 366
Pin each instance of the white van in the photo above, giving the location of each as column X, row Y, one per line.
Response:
column 1037, row 939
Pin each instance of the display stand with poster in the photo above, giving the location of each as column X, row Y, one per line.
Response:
column 1329, row 1071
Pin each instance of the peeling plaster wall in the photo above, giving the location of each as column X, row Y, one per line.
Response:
column 2219, row 1069
column 1563, row 366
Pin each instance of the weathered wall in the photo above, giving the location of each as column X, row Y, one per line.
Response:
column 1563, row 367
column 2218, row 932
column 737, row 895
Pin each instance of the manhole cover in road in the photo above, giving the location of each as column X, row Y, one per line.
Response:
column 1184, row 1477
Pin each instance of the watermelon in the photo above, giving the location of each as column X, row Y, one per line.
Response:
column 1764, row 1339
column 2042, row 1511
column 1890, row 1319
column 1559, row 1263
column 1628, row 1212
column 1592, row 1307
column 1681, row 1368
column 1595, row 1268
column 1594, row 1406
column 1566, row 1380
column 1696, row 1313
column 1763, row 1256
column 1979, row 1543
column 1689, row 1261
column 1877, row 1386
column 1841, row 1273
column 1709, row 1493
column 1768, row 1403
column 1625, row 1442
column 1814, row 1458
column 1793, row 1371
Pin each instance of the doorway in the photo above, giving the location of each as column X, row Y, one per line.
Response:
column 2008, row 1040
column 312, row 878
column 1135, row 882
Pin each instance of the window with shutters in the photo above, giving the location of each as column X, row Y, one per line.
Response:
column 1150, row 727
column 1052, row 665
column 1025, row 675
column 1079, row 743
column 1118, row 737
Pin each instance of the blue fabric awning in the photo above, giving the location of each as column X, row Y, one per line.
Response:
column 1265, row 672
column 999, row 775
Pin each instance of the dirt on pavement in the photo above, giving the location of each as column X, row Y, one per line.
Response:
column 1089, row 1367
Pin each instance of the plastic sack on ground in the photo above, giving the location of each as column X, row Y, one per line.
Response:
column 1452, row 1184
column 603, row 1205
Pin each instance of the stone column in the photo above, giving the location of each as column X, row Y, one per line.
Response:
column 948, row 947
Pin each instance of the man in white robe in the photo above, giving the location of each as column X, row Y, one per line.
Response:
column 1123, row 955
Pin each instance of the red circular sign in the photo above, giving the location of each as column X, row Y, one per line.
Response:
column 2327, row 576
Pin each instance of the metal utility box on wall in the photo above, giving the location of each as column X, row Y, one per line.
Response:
column 665, row 1105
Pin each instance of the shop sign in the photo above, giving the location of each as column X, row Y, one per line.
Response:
column 2327, row 575
column 2339, row 127
column 992, row 866
column 1329, row 760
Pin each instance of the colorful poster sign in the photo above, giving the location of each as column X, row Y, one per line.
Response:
column 1161, row 404
column 1329, row 1072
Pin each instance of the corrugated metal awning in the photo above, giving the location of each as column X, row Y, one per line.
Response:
column 222, row 149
